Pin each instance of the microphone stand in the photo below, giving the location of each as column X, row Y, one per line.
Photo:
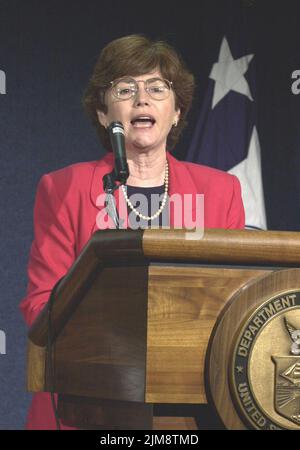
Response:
column 110, row 186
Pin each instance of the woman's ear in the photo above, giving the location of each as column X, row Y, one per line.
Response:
column 102, row 118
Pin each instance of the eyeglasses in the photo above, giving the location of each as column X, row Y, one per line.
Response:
column 127, row 87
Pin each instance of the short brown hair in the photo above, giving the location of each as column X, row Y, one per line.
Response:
column 136, row 55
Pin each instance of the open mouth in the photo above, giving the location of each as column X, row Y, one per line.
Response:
column 143, row 122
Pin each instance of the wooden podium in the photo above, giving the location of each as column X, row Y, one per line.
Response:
column 132, row 320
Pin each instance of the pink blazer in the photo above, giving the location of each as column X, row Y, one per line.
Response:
column 65, row 217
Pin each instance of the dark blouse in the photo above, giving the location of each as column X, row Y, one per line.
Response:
column 147, row 205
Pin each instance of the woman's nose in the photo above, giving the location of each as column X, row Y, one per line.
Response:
column 142, row 96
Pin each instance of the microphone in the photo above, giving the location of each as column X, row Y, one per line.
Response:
column 116, row 135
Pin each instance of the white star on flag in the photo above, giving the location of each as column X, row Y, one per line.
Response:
column 228, row 74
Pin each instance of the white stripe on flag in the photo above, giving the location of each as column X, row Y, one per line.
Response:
column 248, row 172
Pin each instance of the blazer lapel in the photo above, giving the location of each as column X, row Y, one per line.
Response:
column 183, row 190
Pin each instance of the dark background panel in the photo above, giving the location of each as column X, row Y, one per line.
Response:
column 48, row 49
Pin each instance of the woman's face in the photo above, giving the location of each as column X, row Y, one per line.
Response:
column 142, row 134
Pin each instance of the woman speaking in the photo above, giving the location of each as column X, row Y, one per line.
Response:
column 144, row 85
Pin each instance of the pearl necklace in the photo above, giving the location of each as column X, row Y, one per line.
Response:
column 163, row 203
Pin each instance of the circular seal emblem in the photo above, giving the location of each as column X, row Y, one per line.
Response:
column 264, row 368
